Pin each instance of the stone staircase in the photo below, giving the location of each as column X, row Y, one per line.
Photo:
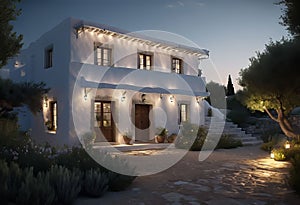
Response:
column 215, row 126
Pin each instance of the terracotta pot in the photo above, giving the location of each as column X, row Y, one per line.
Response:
column 171, row 138
column 160, row 139
column 127, row 140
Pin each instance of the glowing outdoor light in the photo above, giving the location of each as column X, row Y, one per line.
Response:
column 287, row 145
column 172, row 98
column 46, row 100
column 123, row 96
column 161, row 96
column 198, row 99
column 272, row 155
column 143, row 97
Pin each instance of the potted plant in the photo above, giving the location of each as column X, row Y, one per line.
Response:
column 172, row 138
column 127, row 137
column 49, row 125
column 161, row 135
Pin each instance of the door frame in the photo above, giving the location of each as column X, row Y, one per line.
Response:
column 113, row 127
column 151, row 133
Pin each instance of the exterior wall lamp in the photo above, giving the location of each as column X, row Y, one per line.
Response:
column 161, row 96
column 287, row 145
column 123, row 97
column 86, row 91
column 46, row 101
column 143, row 97
column 172, row 98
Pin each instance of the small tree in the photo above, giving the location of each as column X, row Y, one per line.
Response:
column 271, row 82
column 230, row 88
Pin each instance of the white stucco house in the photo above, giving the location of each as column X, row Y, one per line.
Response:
column 108, row 81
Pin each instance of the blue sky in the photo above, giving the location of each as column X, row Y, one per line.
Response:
column 233, row 30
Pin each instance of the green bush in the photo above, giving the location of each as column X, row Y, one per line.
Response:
column 191, row 137
column 228, row 142
column 78, row 158
column 270, row 135
column 279, row 154
column 14, row 180
column 4, row 174
column 267, row 146
column 119, row 182
column 9, row 132
column 66, row 183
column 295, row 173
column 35, row 190
column 88, row 140
column 95, row 182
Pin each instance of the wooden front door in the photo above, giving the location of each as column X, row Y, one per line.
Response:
column 103, row 121
column 142, row 122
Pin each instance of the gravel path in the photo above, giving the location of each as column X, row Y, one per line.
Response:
column 244, row 175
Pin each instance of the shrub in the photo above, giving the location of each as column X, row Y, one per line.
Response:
column 267, row 146
column 95, row 182
column 228, row 142
column 4, row 174
column 14, row 181
column 295, row 173
column 35, row 190
column 191, row 137
column 78, row 158
column 279, row 154
column 270, row 135
column 66, row 183
column 119, row 182
column 9, row 134
column 88, row 140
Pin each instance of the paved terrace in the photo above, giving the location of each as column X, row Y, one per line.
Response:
column 243, row 175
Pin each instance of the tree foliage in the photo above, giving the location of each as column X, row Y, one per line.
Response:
column 291, row 16
column 19, row 94
column 271, row 82
column 217, row 95
column 10, row 42
column 230, row 88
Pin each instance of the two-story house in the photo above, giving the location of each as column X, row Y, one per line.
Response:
column 108, row 81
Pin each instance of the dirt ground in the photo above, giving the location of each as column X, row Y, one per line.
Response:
column 243, row 175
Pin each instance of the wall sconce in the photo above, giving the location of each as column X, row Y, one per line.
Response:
column 172, row 98
column 123, row 96
column 287, row 145
column 198, row 100
column 85, row 93
column 143, row 97
column 46, row 101
column 161, row 96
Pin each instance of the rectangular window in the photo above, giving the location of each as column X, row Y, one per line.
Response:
column 53, row 116
column 177, row 65
column 102, row 114
column 183, row 113
column 145, row 61
column 49, row 57
column 103, row 55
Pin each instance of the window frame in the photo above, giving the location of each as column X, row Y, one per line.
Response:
column 186, row 113
column 99, row 123
column 173, row 65
column 53, row 115
column 48, row 57
column 145, row 55
column 99, row 46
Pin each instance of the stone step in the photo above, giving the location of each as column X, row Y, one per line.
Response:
column 252, row 143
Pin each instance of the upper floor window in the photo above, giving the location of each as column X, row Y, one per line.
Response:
column 145, row 61
column 49, row 57
column 177, row 65
column 103, row 55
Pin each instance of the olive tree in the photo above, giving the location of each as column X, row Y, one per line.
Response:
column 271, row 83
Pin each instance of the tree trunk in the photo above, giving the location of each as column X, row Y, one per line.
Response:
column 284, row 124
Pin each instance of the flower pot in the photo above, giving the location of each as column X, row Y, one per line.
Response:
column 171, row 138
column 160, row 139
column 127, row 140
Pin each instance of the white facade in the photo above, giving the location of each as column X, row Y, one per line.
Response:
column 99, row 77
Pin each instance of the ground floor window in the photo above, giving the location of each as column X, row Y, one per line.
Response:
column 52, row 123
column 102, row 114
